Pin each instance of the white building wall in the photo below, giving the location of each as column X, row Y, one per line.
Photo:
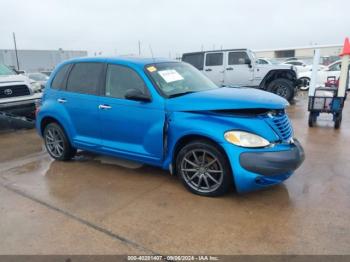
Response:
column 37, row 60
column 266, row 54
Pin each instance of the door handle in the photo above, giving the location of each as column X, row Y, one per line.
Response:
column 229, row 68
column 61, row 100
column 208, row 70
column 103, row 107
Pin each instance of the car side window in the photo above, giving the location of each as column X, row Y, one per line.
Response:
column 85, row 78
column 261, row 62
column 335, row 67
column 197, row 60
column 120, row 79
column 60, row 77
column 237, row 58
column 214, row 59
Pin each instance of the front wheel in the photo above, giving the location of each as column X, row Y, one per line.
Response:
column 57, row 143
column 204, row 169
column 282, row 87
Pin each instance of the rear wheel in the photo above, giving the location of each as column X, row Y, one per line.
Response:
column 304, row 83
column 312, row 119
column 337, row 121
column 204, row 169
column 57, row 143
column 282, row 87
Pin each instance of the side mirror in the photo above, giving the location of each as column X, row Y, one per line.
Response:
column 248, row 62
column 137, row 95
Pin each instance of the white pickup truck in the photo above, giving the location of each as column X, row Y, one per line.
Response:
column 239, row 67
column 18, row 94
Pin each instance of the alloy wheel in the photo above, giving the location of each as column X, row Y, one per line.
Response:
column 202, row 171
column 54, row 142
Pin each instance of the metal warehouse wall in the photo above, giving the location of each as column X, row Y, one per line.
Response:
column 265, row 54
column 306, row 52
column 37, row 60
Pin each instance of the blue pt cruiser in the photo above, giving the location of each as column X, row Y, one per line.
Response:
column 167, row 114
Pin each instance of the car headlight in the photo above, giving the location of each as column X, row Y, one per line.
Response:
column 245, row 139
column 36, row 87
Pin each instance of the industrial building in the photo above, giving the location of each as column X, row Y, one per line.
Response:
column 37, row 60
column 328, row 52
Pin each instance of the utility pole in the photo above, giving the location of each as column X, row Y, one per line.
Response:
column 151, row 50
column 14, row 41
column 139, row 48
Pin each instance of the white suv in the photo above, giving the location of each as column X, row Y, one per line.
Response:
column 238, row 67
column 18, row 94
column 331, row 71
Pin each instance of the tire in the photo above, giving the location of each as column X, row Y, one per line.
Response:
column 305, row 83
column 209, row 178
column 57, row 143
column 312, row 119
column 282, row 87
column 337, row 121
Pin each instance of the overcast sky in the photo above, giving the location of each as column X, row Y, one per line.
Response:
column 171, row 26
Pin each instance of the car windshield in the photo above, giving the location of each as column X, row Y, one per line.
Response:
column 274, row 62
column 176, row 78
column 38, row 77
column 5, row 71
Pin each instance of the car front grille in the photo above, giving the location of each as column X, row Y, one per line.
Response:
column 281, row 124
column 13, row 91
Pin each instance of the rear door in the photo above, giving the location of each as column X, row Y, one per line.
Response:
column 133, row 129
column 237, row 72
column 80, row 101
column 214, row 67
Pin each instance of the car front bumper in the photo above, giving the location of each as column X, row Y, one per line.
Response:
column 21, row 106
column 255, row 169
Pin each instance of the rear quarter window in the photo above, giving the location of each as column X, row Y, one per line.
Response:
column 60, row 77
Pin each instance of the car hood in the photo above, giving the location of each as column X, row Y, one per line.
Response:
column 226, row 98
column 8, row 79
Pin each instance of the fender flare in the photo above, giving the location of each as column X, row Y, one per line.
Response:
column 278, row 73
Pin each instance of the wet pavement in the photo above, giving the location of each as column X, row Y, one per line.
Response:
column 100, row 205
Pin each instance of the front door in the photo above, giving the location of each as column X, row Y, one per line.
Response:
column 237, row 72
column 214, row 67
column 133, row 129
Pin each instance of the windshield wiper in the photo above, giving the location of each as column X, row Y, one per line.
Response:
column 181, row 94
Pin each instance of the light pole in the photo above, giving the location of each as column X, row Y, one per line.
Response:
column 14, row 41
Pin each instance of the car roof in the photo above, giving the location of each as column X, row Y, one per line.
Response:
column 214, row 51
column 136, row 61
